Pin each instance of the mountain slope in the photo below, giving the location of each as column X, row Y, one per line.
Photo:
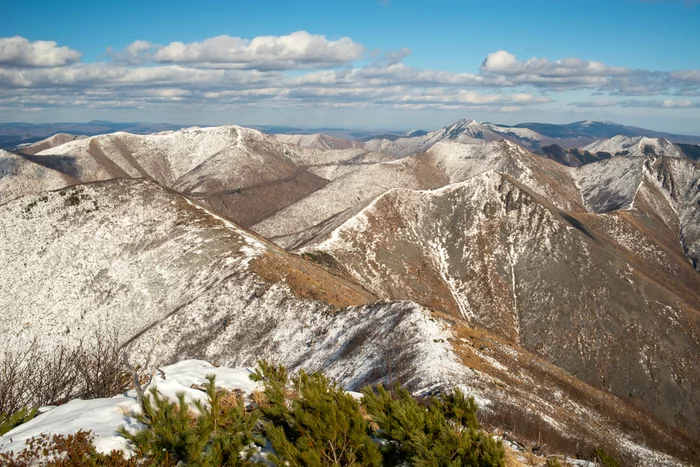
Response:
column 240, row 173
column 48, row 143
column 319, row 141
column 564, row 285
column 19, row 176
column 180, row 282
column 444, row 163
column 640, row 146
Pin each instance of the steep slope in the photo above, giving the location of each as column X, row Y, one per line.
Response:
column 19, row 176
column 639, row 146
column 692, row 151
column 523, row 136
column 240, row 173
column 130, row 251
column 571, row 157
column 494, row 253
column 445, row 163
column 331, row 205
column 181, row 283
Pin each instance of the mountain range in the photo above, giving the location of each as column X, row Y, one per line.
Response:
column 560, row 285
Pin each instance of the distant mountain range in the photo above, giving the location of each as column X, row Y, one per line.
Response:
column 534, row 136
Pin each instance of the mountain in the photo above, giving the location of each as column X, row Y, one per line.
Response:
column 319, row 141
column 179, row 281
column 533, row 136
column 571, row 157
column 638, row 146
column 564, row 298
column 48, row 143
column 564, row 284
column 463, row 131
column 692, row 151
column 20, row 176
column 240, row 173
column 19, row 133
column 585, row 132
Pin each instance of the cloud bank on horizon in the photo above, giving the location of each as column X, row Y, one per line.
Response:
column 303, row 71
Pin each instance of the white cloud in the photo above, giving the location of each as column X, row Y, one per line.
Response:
column 19, row 52
column 504, row 63
column 299, row 50
column 227, row 71
column 655, row 104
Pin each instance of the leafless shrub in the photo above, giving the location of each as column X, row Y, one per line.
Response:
column 100, row 369
column 41, row 375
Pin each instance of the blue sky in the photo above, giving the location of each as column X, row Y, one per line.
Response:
column 364, row 63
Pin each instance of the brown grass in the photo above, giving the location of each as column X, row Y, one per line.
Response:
column 617, row 414
column 309, row 281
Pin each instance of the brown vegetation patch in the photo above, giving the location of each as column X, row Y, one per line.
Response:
column 309, row 281
column 529, row 376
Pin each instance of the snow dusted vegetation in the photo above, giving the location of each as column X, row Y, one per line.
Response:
column 104, row 416
column 455, row 258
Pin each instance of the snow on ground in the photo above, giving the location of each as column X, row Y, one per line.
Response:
column 609, row 184
column 104, row 416
column 639, row 146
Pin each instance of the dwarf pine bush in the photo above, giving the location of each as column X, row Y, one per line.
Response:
column 216, row 433
column 306, row 419
column 311, row 421
column 436, row 432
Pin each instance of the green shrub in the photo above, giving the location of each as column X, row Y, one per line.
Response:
column 599, row 455
column 311, row 421
column 440, row 432
column 551, row 462
column 9, row 421
column 220, row 433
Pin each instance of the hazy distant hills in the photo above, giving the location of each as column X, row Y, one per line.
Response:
column 15, row 134
column 596, row 129
column 533, row 136
column 566, row 290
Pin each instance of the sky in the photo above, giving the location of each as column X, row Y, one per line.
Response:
column 381, row 64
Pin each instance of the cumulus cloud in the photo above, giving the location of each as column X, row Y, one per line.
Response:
column 502, row 62
column 299, row 50
column 575, row 73
column 305, row 70
column 18, row 51
column 135, row 53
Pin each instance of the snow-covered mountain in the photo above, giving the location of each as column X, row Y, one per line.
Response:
column 48, row 143
column 639, row 146
column 320, row 141
column 568, row 293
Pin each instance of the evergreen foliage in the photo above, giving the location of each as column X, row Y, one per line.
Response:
column 307, row 419
column 439, row 432
column 311, row 421
column 221, row 432
column 605, row 459
column 9, row 421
